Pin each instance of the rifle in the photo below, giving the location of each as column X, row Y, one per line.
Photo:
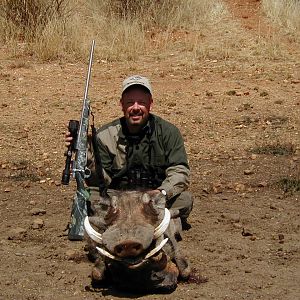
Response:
column 79, row 132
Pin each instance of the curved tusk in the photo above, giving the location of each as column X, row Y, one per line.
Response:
column 92, row 233
column 156, row 249
column 162, row 227
column 107, row 254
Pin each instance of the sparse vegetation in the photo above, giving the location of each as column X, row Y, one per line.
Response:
column 123, row 29
column 275, row 149
column 286, row 13
column 290, row 185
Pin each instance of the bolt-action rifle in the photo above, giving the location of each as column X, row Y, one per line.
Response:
column 78, row 167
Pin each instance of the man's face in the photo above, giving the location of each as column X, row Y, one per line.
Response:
column 136, row 104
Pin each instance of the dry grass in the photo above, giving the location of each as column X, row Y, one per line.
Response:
column 285, row 13
column 123, row 29
column 127, row 29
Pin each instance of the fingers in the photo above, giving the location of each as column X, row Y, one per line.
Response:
column 68, row 138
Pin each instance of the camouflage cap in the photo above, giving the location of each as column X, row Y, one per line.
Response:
column 136, row 80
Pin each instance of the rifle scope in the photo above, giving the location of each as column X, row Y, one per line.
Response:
column 73, row 129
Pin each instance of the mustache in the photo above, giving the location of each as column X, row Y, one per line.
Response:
column 134, row 114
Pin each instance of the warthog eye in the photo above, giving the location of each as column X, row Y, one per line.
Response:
column 104, row 207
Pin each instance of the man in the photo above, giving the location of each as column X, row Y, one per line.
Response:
column 142, row 151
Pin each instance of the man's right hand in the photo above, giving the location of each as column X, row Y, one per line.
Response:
column 68, row 138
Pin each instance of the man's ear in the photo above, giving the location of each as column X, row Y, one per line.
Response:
column 151, row 104
column 121, row 104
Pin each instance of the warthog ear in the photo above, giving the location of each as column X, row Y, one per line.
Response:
column 153, row 204
column 113, row 210
column 146, row 198
column 159, row 200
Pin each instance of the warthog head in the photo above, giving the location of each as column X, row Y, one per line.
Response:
column 134, row 234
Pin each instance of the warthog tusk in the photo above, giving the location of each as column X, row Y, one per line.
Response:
column 156, row 249
column 107, row 254
column 162, row 227
column 92, row 233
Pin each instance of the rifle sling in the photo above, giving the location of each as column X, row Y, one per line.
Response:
column 98, row 164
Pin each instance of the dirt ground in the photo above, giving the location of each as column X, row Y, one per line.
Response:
column 240, row 122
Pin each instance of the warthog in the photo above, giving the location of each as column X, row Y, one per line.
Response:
column 135, row 238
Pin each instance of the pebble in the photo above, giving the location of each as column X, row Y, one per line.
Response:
column 262, row 184
column 16, row 233
column 37, row 224
column 248, row 172
column 71, row 254
column 240, row 187
column 37, row 211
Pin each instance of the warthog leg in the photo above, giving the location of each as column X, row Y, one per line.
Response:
column 98, row 271
column 183, row 266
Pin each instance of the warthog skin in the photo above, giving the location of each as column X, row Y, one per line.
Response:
column 127, row 222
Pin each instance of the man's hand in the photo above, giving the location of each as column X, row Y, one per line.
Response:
column 68, row 138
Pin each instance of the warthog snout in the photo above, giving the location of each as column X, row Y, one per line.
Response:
column 128, row 249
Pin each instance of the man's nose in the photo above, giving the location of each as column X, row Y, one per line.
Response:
column 135, row 105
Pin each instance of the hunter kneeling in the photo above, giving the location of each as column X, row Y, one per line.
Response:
column 140, row 152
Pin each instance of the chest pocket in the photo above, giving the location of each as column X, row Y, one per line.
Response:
column 158, row 156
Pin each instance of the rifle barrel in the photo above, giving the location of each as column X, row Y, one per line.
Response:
column 89, row 70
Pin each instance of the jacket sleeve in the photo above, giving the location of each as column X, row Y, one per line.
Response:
column 177, row 171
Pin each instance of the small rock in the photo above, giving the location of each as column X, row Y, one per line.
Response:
column 37, row 224
column 42, row 181
column 281, row 236
column 71, row 254
column 248, row 172
column 239, row 187
column 262, row 184
column 237, row 225
column 295, row 81
column 45, row 155
column 7, row 190
column 16, row 233
column 264, row 94
column 37, row 211
column 253, row 156
column 217, row 189
column 26, row 184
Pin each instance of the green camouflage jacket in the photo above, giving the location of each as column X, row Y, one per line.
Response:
column 156, row 155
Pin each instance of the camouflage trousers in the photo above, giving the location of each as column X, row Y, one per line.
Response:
column 182, row 202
